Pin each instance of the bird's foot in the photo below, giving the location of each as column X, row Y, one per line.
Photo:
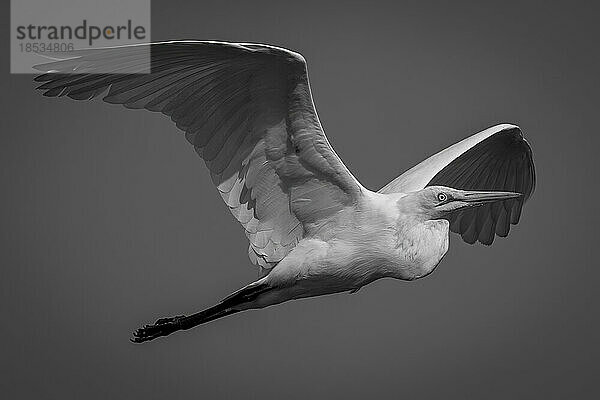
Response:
column 162, row 327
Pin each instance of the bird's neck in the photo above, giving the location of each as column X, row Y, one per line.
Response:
column 409, row 206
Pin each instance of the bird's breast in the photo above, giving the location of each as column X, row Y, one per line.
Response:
column 420, row 247
column 405, row 246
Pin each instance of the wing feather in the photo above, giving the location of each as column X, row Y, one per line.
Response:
column 498, row 158
column 248, row 111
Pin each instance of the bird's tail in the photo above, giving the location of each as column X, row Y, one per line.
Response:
column 229, row 305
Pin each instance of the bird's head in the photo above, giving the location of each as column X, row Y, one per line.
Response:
column 436, row 202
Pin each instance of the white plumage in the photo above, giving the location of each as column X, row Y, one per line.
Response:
column 313, row 229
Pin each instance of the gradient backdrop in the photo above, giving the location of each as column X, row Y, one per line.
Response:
column 109, row 219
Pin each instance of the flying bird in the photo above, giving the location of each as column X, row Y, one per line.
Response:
column 312, row 228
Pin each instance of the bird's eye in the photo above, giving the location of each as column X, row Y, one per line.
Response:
column 442, row 197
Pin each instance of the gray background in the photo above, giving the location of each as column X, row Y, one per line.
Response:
column 109, row 220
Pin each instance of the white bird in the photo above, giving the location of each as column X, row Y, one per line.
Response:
column 313, row 228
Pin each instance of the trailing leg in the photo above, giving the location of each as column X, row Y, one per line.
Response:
column 233, row 303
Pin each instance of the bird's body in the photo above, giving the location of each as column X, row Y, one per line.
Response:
column 312, row 228
column 373, row 239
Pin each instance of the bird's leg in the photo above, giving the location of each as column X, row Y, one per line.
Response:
column 168, row 325
column 233, row 303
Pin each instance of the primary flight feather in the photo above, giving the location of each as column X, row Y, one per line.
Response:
column 312, row 228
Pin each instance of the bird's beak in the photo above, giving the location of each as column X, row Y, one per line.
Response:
column 475, row 198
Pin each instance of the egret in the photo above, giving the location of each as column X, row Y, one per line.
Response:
column 312, row 228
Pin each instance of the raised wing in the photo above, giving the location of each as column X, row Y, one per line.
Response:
column 498, row 158
column 248, row 111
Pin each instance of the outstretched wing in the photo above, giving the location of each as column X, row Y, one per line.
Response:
column 248, row 111
column 498, row 158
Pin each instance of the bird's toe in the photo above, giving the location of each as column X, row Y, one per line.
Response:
column 162, row 327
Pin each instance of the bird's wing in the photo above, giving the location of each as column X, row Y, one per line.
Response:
column 248, row 111
column 498, row 158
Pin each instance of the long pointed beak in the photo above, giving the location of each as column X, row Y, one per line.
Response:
column 478, row 197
